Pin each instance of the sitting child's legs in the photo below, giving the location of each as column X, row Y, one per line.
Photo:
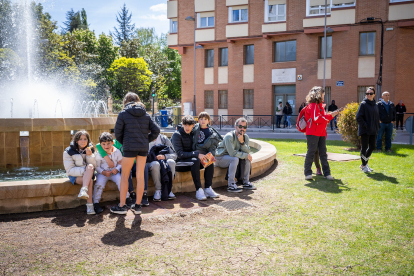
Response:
column 99, row 187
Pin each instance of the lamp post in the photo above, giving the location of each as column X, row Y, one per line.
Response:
column 153, row 102
column 190, row 18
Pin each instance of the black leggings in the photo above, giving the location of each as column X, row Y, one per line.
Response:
column 195, row 172
column 367, row 147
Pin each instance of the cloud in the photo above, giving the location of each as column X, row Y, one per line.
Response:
column 159, row 8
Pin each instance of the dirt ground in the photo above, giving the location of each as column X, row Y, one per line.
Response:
column 66, row 241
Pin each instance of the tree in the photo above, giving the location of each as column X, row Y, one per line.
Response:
column 107, row 52
column 75, row 21
column 126, row 29
column 130, row 48
column 9, row 64
column 129, row 74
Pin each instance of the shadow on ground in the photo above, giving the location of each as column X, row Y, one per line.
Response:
column 122, row 235
column 336, row 186
column 382, row 177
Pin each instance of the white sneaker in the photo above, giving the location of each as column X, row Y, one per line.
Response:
column 200, row 194
column 329, row 177
column 210, row 193
column 89, row 209
column 171, row 195
column 370, row 170
column 365, row 169
column 308, row 177
column 83, row 194
column 157, row 195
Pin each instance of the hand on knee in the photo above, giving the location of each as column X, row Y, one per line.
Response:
column 89, row 167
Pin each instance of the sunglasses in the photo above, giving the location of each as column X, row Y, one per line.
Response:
column 240, row 126
column 369, row 94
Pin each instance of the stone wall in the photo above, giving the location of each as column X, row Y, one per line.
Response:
column 44, row 195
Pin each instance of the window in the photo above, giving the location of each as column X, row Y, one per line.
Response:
column 317, row 7
column 224, row 56
column 208, row 99
column 328, row 47
column 248, row 98
column 210, row 58
column 222, row 99
column 327, row 97
column 205, row 20
column 361, row 92
column 395, row 1
column 367, row 44
column 238, row 14
column 249, row 54
column 173, row 25
column 285, row 51
column 275, row 13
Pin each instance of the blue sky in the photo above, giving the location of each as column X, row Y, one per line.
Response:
column 102, row 13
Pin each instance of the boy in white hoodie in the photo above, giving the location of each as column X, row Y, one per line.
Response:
column 106, row 173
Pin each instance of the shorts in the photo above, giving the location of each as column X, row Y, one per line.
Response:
column 72, row 179
column 135, row 153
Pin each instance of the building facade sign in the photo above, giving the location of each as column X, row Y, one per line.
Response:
column 286, row 75
column 340, row 83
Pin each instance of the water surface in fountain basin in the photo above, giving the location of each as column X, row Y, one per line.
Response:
column 32, row 173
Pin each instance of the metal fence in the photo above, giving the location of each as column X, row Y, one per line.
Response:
column 260, row 122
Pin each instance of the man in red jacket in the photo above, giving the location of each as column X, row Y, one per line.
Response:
column 317, row 121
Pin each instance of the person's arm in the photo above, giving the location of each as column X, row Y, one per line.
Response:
column 245, row 146
column 172, row 155
column 90, row 159
column 177, row 142
column 70, row 166
column 318, row 117
column 118, row 156
column 101, row 151
column 155, row 130
column 119, row 129
column 228, row 143
column 360, row 115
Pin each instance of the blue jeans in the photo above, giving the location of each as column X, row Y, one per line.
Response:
column 333, row 121
column 287, row 121
column 387, row 128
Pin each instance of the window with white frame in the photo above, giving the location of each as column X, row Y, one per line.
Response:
column 317, row 7
column 173, row 25
column 205, row 20
column 274, row 12
column 238, row 14
column 396, row 1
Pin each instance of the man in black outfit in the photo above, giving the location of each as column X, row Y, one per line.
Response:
column 400, row 110
column 188, row 158
column 387, row 116
column 332, row 108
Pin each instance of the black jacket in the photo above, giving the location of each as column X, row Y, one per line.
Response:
column 400, row 109
column 157, row 150
column 368, row 118
column 332, row 107
column 386, row 117
column 287, row 110
column 134, row 128
column 183, row 144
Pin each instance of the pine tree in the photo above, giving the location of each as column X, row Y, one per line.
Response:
column 75, row 20
column 126, row 29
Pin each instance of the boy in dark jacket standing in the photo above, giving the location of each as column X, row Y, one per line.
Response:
column 387, row 116
column 188, row 158
column 400, row 109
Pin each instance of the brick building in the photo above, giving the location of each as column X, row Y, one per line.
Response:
column 256, row 53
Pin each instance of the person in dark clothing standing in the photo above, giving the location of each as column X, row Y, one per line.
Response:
column 302, row 106
column 134, row 129
column 386, row 110
column 368, row 125
column 400, row 110
column 332, row 108
column 287, row 111
column 190, row 159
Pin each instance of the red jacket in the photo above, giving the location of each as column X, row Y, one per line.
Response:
column 319, row 119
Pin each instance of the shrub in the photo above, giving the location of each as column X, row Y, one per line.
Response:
column 348, row 126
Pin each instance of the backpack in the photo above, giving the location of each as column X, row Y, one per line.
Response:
column 301, row 123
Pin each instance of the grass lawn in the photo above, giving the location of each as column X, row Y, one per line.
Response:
column 359, row 224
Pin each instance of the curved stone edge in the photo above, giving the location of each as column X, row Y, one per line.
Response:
column 45, row 195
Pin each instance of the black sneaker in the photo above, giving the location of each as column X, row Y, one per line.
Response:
column 98, row 208
column 144, row 200
column 136, row 209
column 232, row 188
column 129, row 202
column 119, row 210
column 249, row 186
